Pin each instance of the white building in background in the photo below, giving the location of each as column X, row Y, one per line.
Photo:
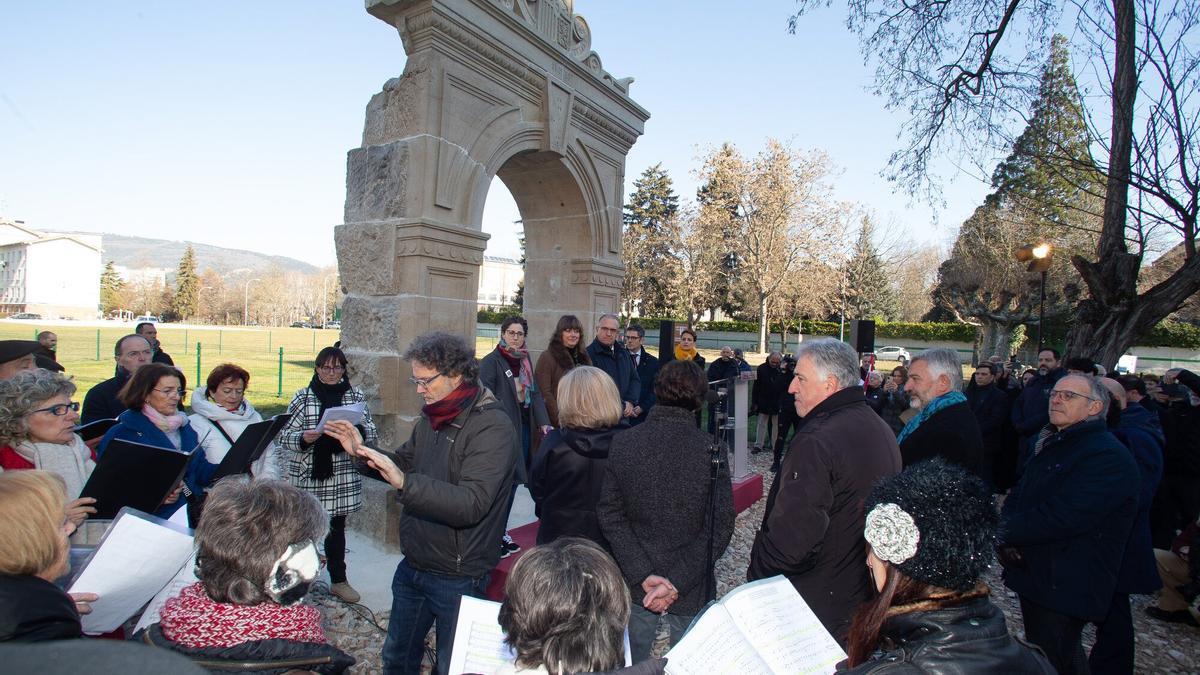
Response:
column 498, row 280
column 55, row 275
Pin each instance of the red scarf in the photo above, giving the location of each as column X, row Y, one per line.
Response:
column 441, row 413
column 192, row 619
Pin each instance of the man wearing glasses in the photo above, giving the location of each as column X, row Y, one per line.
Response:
column 611, row 357
column 101, row 403
column 1067, row 521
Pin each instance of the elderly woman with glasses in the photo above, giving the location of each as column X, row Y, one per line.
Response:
column 37, row 431
column 152, row 417
column 317, row 462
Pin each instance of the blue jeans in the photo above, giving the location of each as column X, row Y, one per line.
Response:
column 418, row 599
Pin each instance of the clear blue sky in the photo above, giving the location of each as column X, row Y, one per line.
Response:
column 228, row 122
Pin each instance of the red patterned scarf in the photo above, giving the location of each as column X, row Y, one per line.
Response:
column 441, row 413
column 192, row 619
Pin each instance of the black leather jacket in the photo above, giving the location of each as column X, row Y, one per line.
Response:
column 969, row 638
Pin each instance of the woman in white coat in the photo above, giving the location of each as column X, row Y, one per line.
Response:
column 220, row 412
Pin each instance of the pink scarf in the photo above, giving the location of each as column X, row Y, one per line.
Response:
column 164, row 423
column 192, row 619
column 524, row 383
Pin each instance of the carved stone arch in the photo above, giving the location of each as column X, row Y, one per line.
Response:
column 507, row 88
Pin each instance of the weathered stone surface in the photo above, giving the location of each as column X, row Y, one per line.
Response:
column 490, row 88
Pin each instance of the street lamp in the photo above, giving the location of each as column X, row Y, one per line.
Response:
column 325, row 298
column 1039, row 257
column 246, row 302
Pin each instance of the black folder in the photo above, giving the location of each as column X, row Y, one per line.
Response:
column 95, row 429
column 136, row 475
column 249, row 446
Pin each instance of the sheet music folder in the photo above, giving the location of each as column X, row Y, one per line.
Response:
column 95, row 429
column 249, row 446
column 136, row 475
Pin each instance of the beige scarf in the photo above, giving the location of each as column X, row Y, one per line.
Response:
column 72, row 461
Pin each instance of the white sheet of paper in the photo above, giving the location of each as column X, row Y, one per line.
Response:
column 478, row 639
column 180, row 516
column 760, row 627
column 133, row 563
column 352, row 413
column 186, row 577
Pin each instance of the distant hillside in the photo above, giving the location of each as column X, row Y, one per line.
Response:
column 136, row 252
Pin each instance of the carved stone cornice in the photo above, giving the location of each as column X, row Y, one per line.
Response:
column 604, row 122
column 597, row 272
column 420, row 28
column 427, row 238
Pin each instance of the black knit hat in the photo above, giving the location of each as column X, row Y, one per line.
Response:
column 936, row 522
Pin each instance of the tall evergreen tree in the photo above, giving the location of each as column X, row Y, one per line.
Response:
column 185, row 302
column 646, row 250
column 111, row 287
column 719, row 202
column 869, row 292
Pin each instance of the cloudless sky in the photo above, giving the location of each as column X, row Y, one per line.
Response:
column 228, row 122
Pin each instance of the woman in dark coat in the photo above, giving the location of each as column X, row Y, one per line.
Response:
column 930, row 534
column 895, row 399
column 567, row 475
column 565, row 351
column 507, row 372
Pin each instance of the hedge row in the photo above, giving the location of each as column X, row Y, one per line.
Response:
column 1165, row 334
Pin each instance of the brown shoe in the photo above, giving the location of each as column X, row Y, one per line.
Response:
column 1178, row 616
column 345, row 592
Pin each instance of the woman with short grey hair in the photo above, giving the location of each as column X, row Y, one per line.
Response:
column 256, row 557
column 37, row 431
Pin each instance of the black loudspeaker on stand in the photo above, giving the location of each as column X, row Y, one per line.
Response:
column 862, row 335
column 666, row 341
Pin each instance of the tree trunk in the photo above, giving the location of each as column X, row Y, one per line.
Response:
column 1113, row 315
column 763, row 320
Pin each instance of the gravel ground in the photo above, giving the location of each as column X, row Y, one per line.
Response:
column 1161, row 647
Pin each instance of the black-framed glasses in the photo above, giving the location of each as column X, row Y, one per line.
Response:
column 60, row 409
column 332, row 369
column 514, row 333
column 1068, row 395
column 423, row 381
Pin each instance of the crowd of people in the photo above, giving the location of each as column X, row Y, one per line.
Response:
column 883, row 513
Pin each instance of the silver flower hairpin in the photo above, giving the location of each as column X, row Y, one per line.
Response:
column 892, row 534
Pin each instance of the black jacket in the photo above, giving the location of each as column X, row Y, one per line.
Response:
column 456, row 487
column 275, row 656
column 565, row 483
column 1139, row 430
column 1070, row 516
column 34, row 610
column 952, row 433
column 617, row 362
column 162, row 357
column 647, row 370
column 720, row 369
column 990, row 406
column 101, row 402
column 1031, row 412
column 1181, row 426
column 812, row 531
column 769, row 388
column 967, row 639
column 654, row 501
column 496, row 374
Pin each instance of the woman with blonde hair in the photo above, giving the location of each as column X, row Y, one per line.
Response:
column 567, row 475
column 34, row 528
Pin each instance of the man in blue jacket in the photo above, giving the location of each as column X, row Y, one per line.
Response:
column 1029, row 413
column 647, row 370
column 608, row 355
column 1067, row 522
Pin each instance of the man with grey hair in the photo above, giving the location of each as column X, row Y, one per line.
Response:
column 812, row 531
column 944, row 425
column 1067, row 521
column 609, row 355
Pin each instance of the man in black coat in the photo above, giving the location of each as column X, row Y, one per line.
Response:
column 101, row 403
column 1178, row 498
column 723, row 368
column 1067, row 521
column 1029, row 414
column 647, row 368
column 812, row 531
column 945, row 426
column 611, row 357
column 150, row 332
column 989, row 404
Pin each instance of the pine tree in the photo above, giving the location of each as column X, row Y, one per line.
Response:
column 111, row 288
column 646, row 251
column 719, row 203
column 185, row 302
column 869, row 292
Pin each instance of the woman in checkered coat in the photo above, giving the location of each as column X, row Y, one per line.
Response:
column 318, row 463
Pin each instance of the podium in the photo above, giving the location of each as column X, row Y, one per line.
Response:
column 747, row 486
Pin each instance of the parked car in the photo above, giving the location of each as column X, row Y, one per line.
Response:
column 893, row 354
column 334, row 325
column 147, row 318
column 301, row 324
column 26, row 316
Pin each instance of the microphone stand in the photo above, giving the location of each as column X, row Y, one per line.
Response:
column 718, row 405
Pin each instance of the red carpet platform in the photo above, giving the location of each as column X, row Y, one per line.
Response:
column 745, row 492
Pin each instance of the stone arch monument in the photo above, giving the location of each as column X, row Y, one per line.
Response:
column 507, row 88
